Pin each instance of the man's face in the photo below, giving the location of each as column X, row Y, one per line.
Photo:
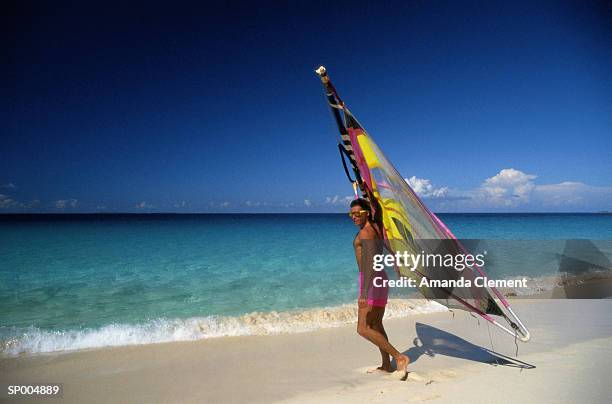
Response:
column 358, row 215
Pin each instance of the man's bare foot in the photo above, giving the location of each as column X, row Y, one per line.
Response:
column 402, row 366
column 382, row 369
column 402, row 362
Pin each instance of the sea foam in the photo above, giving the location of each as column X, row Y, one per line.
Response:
column 34, row 340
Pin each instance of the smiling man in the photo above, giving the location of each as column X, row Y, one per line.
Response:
column 372, row 299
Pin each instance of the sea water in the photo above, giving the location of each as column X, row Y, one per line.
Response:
column 84, row 281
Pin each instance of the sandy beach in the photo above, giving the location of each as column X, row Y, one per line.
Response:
column 454, row 359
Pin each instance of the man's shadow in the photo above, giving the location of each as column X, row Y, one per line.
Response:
column 432, row 341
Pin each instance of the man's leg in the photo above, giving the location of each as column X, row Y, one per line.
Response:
column 375, row 317
column 377, row 338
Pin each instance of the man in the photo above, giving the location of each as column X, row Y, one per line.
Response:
column 372, row 300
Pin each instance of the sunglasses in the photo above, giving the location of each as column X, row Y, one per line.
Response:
column 357, row 213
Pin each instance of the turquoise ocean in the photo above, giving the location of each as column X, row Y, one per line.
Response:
column 72, row 282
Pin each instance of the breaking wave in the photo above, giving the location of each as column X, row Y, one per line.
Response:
column 33, row 340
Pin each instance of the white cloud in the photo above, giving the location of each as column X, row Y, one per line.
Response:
column 66, row 203
column 307, row 203
column 252, row 204
column 509, row 187
column 180, row 204
column 144, row 205
column 224, row 204
column 337, row 200
column 423, row 188
column 514, row 189
column 331, row 199
column 7, row 202
column 10, row 185
column 573, row 194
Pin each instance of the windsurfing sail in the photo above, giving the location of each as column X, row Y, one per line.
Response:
column 408, row 225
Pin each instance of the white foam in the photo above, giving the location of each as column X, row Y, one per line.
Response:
column 34, row 340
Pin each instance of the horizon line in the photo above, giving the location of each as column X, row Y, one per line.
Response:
column 285, row 213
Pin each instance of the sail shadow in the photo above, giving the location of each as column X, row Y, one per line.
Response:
column 586, row 272
column 432, row 341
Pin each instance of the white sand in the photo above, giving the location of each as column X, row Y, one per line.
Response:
column 571, row 350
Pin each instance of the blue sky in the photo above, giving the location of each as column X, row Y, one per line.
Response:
column 483, row 106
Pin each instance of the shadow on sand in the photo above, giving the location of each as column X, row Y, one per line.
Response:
column 432, row 341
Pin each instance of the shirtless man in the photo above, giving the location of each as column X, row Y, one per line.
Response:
column 372, row 300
